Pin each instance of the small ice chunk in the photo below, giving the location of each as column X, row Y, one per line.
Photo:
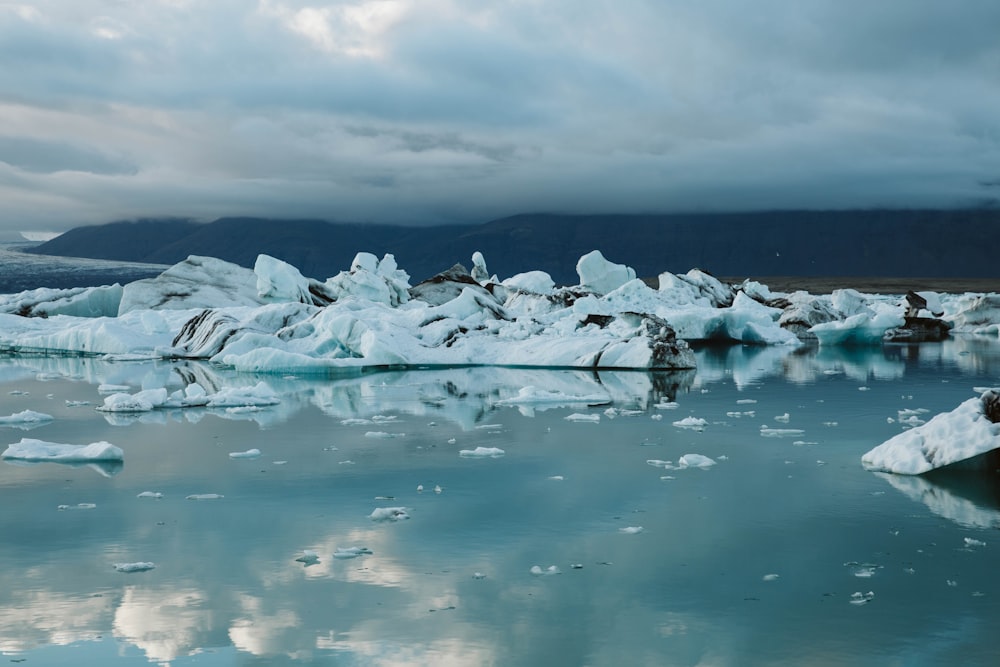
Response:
column 25, row 417
column 478, row 575
column 694, row 423
column 784, row 419
column 769, row 432
column 972, row 542
column 859, row 598
column 382, row 435
column 308, row 557
column 770, row 577
column 112, row 388
column 556, row 478
column 76, row 404
column 248, row 454
column 746, row 401
column 140, row 566
column 346, row 553
column 550, row 570
column 667, row 405
column 695, row 461
column 578, row 417
column 150, row 494
column 389, row 514
column 205, row 496
column 78, row 506
column 631, row 530
column 482, row 453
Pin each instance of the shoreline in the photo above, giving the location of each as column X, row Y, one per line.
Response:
column 874, row 285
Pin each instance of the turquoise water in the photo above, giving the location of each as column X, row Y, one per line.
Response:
column 752, row 561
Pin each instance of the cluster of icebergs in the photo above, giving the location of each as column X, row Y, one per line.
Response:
column 273, row 319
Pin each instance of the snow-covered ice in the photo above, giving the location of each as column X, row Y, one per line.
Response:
column 948, row 438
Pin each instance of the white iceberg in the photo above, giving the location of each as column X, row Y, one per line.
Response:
column 25, row 417
column 31, row 450
column 948, row 438
column 248, row 454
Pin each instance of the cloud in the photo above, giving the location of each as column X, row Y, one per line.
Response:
column 442, row 111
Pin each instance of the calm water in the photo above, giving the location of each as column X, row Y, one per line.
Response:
column 753, row 561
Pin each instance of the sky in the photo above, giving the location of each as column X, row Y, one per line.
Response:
column 448, row 111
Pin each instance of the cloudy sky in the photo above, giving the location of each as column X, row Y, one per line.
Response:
column 464, row 110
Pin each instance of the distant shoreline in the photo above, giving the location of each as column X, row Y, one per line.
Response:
column 874, row 285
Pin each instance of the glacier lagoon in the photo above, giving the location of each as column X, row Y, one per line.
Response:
column 577, row 537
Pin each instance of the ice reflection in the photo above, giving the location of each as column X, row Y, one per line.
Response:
column 969, row 498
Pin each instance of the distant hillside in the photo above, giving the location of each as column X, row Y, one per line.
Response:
column 899, row 243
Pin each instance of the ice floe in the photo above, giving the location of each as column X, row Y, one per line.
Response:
column 141, row 566
column 248, row 454
column 25, row 419
column 949, row 438
column 382, row 514
column 31, row 450
column 482, row 453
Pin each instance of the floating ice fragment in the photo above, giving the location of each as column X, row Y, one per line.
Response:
column 656, row 417
column 784, row 419
column 112, row 388
column 308, row 557
column 550, row 570
column 482, row 452
column 860, row 598
column 864, row 388
column 134, row 567
column 770, row 577
column 557, row 478
column 452, row 441
column 667, row 405
column 76, row 404
column 769, row 432
column 25, row 417
column 972, row 542
column 578, row 417
column 478, row 575
column 32, row 450
column 746, row 401
column 382, row 435
column 156, row 495
column 346, row 553
column 489, row 427
column 420, row 488
column 205, row 496
column 576, row 566
column 631, row 530
column 78, row 506
column 694, row 423
column 951, row 582
column 354, row 422
column 389, row 514
column 248, row 454
column 438, row 489
column 695, row 461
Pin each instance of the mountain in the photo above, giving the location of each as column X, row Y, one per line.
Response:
column 899, row 243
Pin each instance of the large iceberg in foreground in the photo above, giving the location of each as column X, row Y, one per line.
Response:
column 949, row 438
column 36, row 451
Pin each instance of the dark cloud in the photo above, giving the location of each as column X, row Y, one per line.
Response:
column 441, row 111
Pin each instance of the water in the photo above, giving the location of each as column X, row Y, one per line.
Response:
column 21, row 271
column 752, row 561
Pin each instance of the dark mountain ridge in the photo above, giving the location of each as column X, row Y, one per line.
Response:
column 958, row 243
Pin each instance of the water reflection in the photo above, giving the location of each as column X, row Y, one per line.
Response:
column 452, row 585
column 970, row 498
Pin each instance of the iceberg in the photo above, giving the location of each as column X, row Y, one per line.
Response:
column 966, row 435
column 35, row 451
column 272, row 319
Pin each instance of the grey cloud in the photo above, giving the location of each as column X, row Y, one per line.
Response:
column 463, row 113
